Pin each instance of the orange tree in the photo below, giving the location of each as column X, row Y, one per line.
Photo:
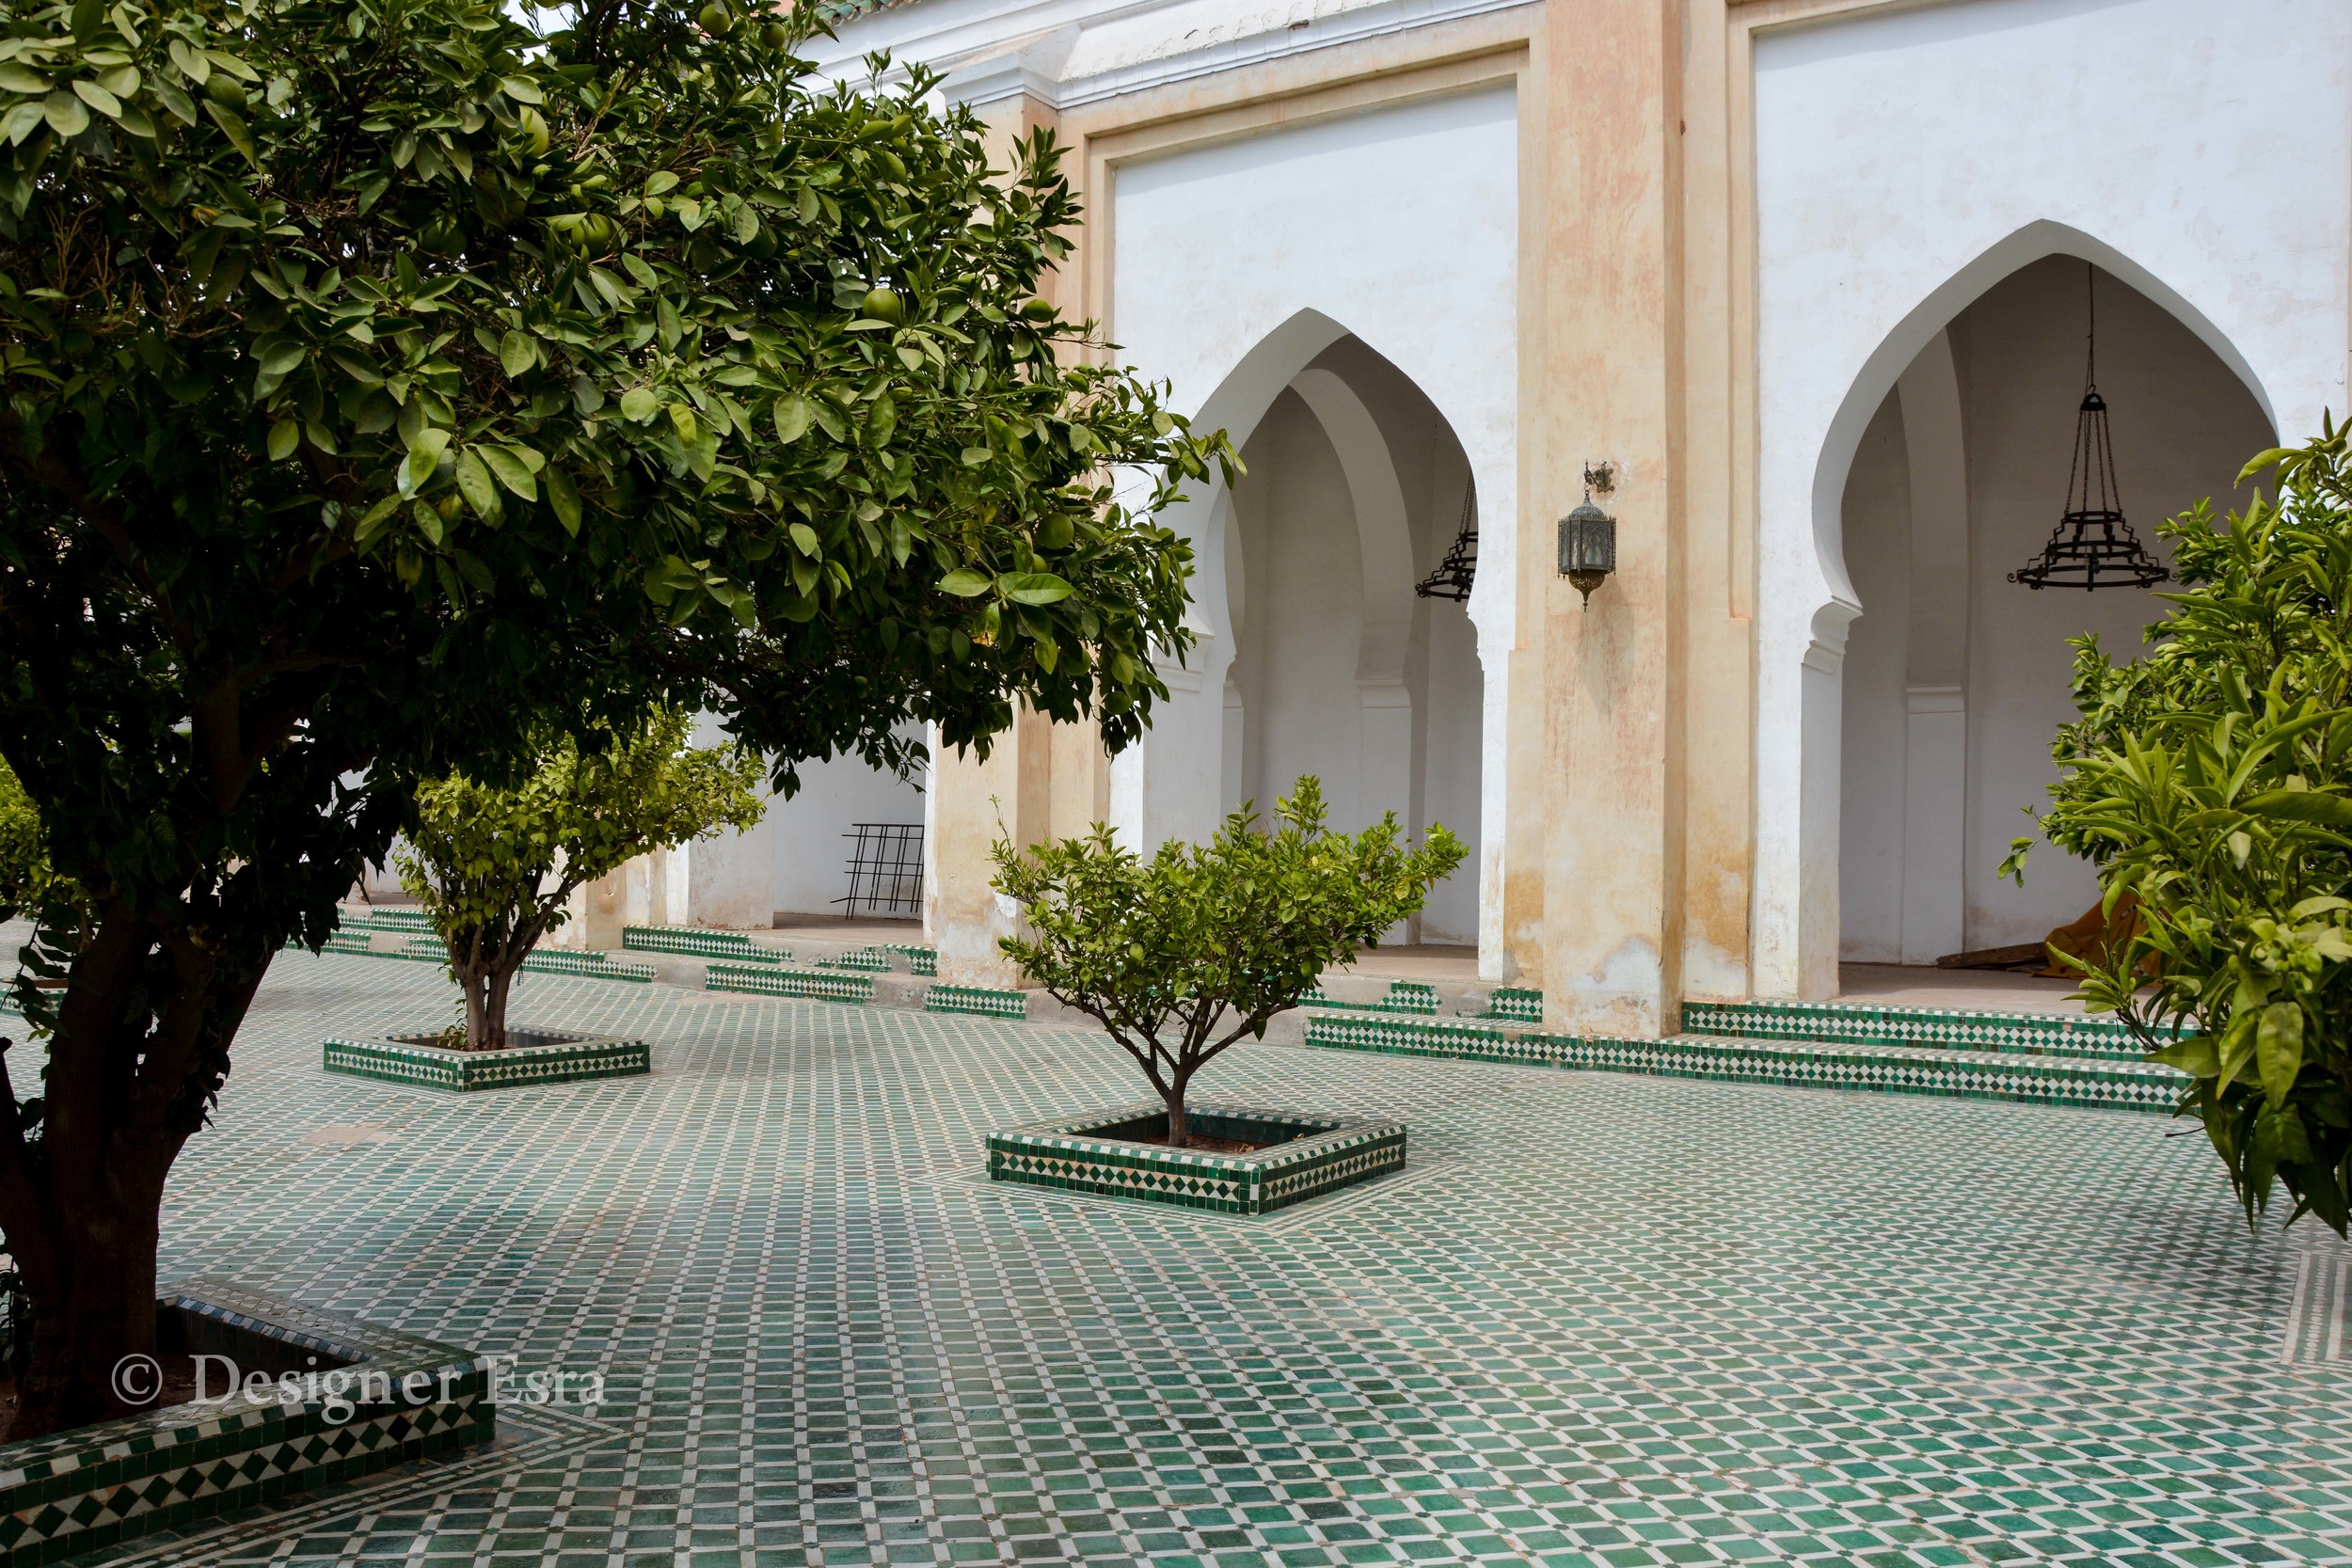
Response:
column 383, row 384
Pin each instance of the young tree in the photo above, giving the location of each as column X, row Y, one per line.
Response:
column 494, row 866
column 2210, row 781
column 384, row 386
column 1186, row 953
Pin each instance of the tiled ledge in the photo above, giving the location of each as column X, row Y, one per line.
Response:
column 977, row 999
column 2048, row 1079
column 775, row 981
column 700, row 942
column 399, row 1398
column 1849, row 1022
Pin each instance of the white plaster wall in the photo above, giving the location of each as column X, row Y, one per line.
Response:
column 1877, row 558
column 1235, row 267
column 1908, row 161
column 810, row 855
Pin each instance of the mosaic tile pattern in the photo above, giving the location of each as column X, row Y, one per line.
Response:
column 165, row 1469
column 865, row 960
column 1093, row 1155
column 777, row 980
column 1603, row 1321
column 1404, row 996
column 977, row 999
column 544, row 960
column 2051, row 1034
column 920, row 961
column 364, row 916
column 701, row 941
column 1515, row 1004
column 439, row 1066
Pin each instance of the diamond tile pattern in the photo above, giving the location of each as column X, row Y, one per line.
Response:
column 1604, row 1320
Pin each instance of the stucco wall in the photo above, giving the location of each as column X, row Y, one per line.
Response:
column 1877, row 558
column 1907, row 162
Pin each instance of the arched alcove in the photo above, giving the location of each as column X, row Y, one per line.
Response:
column 1949, row 679
column 1315, row 654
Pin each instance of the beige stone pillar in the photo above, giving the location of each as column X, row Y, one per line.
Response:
column 1611, row 384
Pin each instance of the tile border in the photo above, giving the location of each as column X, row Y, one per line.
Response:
column 439, row 1066
column 1073, row 1156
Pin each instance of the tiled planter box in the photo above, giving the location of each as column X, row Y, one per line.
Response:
column 544, row 1057
column 547, row 960
column 388, row 920
column 697, row 941
column 977, row 999
column 366, row 1398
column 1095, row 1155
column 775, row 981
column 1467, row 1040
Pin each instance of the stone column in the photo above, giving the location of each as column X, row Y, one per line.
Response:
column 1610, row 381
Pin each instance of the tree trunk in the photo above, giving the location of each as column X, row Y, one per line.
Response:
column 486, row 987
column 1174, row 1098
column 98, row 1308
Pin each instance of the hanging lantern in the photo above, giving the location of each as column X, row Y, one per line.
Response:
column 1459, row 569
column 1588, row 537
column 2092, row 546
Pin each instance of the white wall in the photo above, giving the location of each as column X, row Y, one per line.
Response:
column 1872, row 736
column 1234, row 267
column 1907, row 162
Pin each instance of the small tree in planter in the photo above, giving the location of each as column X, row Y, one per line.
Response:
column 1184, row 954
column 495, row 867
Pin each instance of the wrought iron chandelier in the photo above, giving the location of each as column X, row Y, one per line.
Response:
column 2092, row 546
column 1459, row 569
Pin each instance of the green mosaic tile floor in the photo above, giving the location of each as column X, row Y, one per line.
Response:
column 1604, row 1320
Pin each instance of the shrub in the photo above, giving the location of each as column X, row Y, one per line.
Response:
column 2212, row 781
column 1187, row 953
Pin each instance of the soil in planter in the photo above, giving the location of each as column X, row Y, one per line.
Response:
column 179, row 1373
column 1200, row 1145
column 453, row 1039
column 1153, row 1130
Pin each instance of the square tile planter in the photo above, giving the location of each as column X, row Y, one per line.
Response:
column 543, row 1057
column 1319, row 1154
column 700, row 942
column 361, row 1399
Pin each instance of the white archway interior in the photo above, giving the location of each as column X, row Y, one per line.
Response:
column 1233, row 268
column 2026, row 128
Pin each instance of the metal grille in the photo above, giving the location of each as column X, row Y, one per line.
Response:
column 885, row 869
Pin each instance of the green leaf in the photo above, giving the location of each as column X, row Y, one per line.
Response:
column 639, row 403
column 564, row 498
column 19, row 78
column 473, row 482
column 2279, row 1049
column 520, row 91
column 1036, row 588
column 283, row 438
column 66, row 114
column 235, row 128
column 517, row 352
column 510, row 470
column 804, row 537
column 966, row 583
column 792, row 418
column 2194, row 1054
column 99, row 98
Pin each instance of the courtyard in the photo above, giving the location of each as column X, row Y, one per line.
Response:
column 1599, row 1319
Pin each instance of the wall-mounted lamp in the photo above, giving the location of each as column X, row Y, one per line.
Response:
column 1588, row 536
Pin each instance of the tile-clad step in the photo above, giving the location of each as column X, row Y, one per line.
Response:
column 864, row 960
column 922, row 960
column 2050, row 1079
column 1862, row 1023
column 775, row 981
column 1412, row 997
column 977, row 999
column 700, row 942
column 406, row 922
column 1515, row 1004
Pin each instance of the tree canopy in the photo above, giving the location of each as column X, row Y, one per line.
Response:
column 2212, row 780
column 384, row 383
